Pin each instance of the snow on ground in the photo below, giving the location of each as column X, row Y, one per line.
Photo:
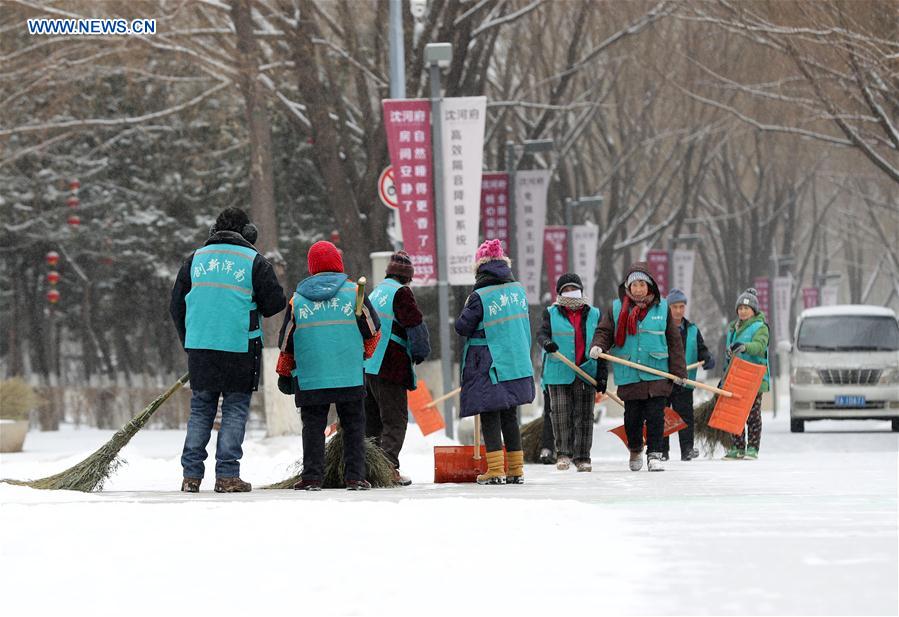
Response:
column 809, row 528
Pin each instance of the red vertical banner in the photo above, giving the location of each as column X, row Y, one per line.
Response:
column 659, row 268
column 408, row 126
column 555, row 254
column 763, row 286
column 495, row 207
column 810, row 297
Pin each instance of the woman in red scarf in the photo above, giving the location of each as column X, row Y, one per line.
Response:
column 639, row 328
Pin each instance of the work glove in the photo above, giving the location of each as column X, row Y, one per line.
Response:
column 735, row 349
column 709, row 363
column 418, row 359
column 595, row 351
column 550, row 347
column 601, row 384
column 285, row 384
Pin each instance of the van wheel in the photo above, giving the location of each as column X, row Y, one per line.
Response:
column 896, row 425
column 798, row 426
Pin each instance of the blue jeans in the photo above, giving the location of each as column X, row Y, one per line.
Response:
column 228, row 450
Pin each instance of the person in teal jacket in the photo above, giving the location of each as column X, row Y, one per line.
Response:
column 747, row 339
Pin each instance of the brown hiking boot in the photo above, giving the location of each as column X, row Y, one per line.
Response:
column 308, row 485
column 358, row 485
column 232, row 485
column 400, row 479
column 191, row 485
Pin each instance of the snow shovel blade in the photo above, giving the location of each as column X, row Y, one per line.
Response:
column 457, row 464
column 673, row 423
column 427, row 418
column 743, row 379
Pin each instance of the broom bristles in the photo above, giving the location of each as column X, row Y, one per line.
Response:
column 707, row 437
column 378, row 468
column 531, row 438
column 91, row 473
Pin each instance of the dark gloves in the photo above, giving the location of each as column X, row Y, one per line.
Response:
column 602, row 376
column 602, row 384
column 285, row 384
column 550, row 347
column 735, row 349
column 709, row 362
column 418, row 359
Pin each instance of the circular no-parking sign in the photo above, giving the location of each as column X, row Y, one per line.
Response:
column 387, row 189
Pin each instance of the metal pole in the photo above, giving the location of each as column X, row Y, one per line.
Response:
column 397, row 53
column 510, row 172
column 772, row 332
column 440, row 232
column 569, row 225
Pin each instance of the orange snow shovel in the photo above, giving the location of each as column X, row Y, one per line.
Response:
column 422, row 407
column 461, row 464
column 732, row 404
column 673, row 423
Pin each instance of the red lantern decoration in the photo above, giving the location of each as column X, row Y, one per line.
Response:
column 53, row 296
column 52, row 258
column 74, row 220
column 73, row 202
column 53, row 277
column 74, row 184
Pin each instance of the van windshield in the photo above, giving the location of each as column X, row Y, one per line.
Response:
column 848, row 333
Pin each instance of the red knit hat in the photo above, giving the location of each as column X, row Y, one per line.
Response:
column 324, row 257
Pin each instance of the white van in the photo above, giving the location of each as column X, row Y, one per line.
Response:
column 844, row 364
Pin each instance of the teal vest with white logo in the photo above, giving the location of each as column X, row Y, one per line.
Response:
column 647, row 347
column 507, row 332
column 327, row 344
column 691, row 351
column 220, row 299
column 745, row 337
column 381, row 299
column 556, row 372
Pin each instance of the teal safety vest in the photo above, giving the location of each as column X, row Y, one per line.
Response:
column 648, row 347
column 691, row 351
column 381, row 299
column 327, row 344
column 745, row 337
column 220, row 299
column 507, row 332
column 556, row 372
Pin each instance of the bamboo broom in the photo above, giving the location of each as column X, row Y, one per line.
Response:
column 90, row 474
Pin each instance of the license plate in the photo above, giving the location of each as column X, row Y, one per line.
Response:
column 850, row 401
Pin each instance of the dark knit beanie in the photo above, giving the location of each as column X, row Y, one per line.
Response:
column 400, row 266
column 569, row 278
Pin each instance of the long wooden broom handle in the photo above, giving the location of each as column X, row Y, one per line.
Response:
column 675, row 378
column 477, row 437
column 360, row 295
column 585, row 375
column 690, row 367
column 446, row 396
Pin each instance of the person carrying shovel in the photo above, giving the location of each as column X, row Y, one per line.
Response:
column 321, row 362
column 497, row 374
column 639, row 328
column 747, row 339
column 568, row 324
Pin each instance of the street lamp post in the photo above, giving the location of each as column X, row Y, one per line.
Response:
column 438, row 55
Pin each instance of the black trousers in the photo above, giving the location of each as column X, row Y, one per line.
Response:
column 547, row 437
column 651, row 412
column 386, row 415
column 352, row 422
column 501, row 427
column 681, row 401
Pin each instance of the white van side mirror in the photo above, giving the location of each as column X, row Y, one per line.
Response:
column 784, row 347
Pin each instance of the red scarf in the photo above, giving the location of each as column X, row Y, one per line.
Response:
column 632, row 312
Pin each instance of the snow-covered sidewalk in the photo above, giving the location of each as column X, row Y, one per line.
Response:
column 809, row 528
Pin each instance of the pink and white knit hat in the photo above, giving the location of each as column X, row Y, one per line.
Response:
column 490, row 250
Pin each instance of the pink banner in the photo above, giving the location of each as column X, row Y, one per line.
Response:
column 810, row 298
column 408, row 126
column 658, row 262
column 555, row 253
column 495, row 207
column 763, row 286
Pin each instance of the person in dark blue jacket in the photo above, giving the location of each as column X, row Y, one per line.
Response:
column 220, row 295
column 497, row 374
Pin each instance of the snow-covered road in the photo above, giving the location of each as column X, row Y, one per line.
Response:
column 809, row 528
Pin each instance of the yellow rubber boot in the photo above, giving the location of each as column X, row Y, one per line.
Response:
column 495, row 472
column 516, row 467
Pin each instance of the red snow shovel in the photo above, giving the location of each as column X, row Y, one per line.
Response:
column 732, row 404
column 673, row 423
column 461, row 464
